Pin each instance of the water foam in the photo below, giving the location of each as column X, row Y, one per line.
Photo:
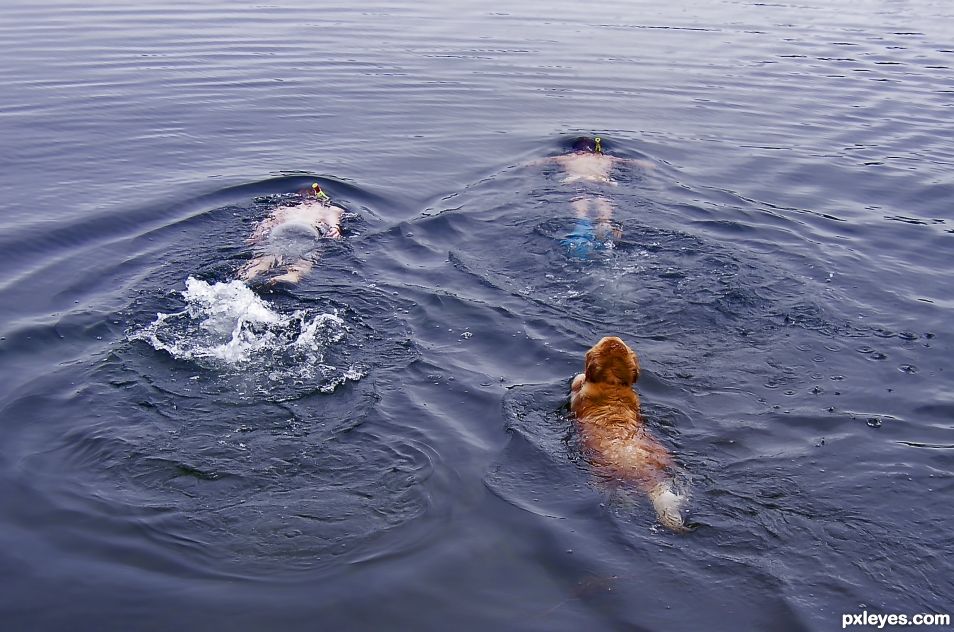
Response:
column 227, row 326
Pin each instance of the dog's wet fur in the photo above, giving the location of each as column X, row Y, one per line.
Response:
column 614, row 435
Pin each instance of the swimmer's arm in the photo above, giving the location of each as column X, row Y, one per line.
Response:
column 550, row 160
column 330, row 217
column 642, row 164
column 260, row 232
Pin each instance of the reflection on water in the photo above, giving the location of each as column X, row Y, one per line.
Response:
column 386, row 444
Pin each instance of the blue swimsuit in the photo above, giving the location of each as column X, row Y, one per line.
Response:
column 581, row 242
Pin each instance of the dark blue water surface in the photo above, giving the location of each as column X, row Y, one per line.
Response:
column 385, row 446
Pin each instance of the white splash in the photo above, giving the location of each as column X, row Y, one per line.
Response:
column 228, row 326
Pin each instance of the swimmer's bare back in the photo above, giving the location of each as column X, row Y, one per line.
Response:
column 318, row 215
column 590, row 166
column 325, row 218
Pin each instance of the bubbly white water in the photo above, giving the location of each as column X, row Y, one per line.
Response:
column 227, row 326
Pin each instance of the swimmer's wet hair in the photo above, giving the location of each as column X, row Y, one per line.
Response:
column 584, row 143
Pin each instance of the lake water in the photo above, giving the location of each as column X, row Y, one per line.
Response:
column 386, row 445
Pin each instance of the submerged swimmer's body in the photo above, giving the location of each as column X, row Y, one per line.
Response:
column 588, row 164
column 588, row 236
column 288, row 238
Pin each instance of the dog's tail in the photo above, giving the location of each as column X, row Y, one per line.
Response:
column 668, row 505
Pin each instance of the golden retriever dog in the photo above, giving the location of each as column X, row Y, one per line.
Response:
column 614, row 436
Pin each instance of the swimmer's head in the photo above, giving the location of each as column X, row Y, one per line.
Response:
column 585, row 144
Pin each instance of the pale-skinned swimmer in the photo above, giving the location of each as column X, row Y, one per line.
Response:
column 288, row 238
column 587, row 164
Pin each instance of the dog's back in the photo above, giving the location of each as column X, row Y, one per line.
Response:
column 607, row 411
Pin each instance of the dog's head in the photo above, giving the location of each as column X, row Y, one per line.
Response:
column 611, row 361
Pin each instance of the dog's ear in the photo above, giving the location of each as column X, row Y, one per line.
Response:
column 592, row 371
column 634, row 366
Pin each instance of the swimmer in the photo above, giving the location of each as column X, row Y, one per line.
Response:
column 288, row 238
column 594, row 212
column 588, row 163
